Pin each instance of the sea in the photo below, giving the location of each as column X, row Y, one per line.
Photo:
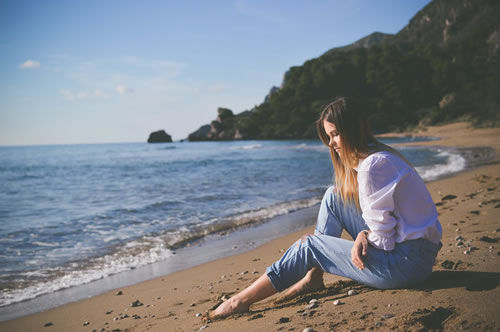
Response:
column 74, row 214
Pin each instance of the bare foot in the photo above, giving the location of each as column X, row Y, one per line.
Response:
column 312, row 281
column 227, row 308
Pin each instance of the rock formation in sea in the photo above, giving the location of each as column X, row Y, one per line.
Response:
column 159, row 136
column 221, row 129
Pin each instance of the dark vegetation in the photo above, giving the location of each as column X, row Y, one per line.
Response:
column 443, row 66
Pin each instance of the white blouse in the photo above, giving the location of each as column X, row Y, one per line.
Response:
column 395, row 202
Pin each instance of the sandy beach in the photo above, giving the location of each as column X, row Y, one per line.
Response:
column 461, row 294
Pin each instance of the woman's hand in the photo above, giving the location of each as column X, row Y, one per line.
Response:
column 359, row 250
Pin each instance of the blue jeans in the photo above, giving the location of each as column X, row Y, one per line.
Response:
column 409, row 263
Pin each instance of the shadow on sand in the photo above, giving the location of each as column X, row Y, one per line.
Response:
column 472, row 281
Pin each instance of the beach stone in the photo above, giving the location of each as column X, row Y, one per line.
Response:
column 308, row 329
column 48, row 324
column 337, row 302
column 447, row 264
column 203, row 327
column 257, row 316
column 352, row 292
column 86, row 323
column 136, row 303
column 312, row 305
column 313, row 301
column 198, row 314
column 284, row 320
column 119, row 293
column 387, row 316
column 109, row 312
column 192, row 305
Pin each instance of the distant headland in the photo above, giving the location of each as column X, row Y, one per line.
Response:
column 442, row 67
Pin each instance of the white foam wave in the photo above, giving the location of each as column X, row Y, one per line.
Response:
column 44, row 244
column 246, row 147
column 455, row 163
column 123, row 260
column 275, row 210
column 133, row 254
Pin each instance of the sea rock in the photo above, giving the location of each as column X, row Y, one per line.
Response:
column 200, row 135
column 337, row 302
column 352, row 292
column 159, row 136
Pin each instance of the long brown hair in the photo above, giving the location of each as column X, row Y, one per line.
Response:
column 357, row 142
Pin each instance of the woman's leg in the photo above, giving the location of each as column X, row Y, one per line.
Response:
column 409, row 263
column 258, row 290
column 334, row 216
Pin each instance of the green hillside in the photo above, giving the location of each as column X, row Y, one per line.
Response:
column 443, row 66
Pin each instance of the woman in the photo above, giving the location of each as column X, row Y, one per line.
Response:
column 379, row 199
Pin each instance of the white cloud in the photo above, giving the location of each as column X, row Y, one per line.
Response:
column 123, row 90
column 81, row 95
column 30, row 64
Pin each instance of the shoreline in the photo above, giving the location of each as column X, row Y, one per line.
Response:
column 193, row 279
column 192, row 251
column 188, row 255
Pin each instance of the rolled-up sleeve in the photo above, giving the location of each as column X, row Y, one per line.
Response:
column 377, row 183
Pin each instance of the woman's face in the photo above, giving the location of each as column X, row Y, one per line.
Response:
column 333, row 134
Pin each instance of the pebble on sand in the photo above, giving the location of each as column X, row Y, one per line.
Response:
column 312, row 305
column 308, row 329
column 48, row 324
column 136, row 303
column 119, row 293
column 86, row 323
column 337, row 302
column 351, row 292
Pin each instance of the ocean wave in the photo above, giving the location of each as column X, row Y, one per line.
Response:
column 455, row 163
column 246, row 147
column 184, row 235
column 133, row 254
column 141, row 252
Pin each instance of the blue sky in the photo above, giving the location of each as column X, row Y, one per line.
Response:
column 113, row 71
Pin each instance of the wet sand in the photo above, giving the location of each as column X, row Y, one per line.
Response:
column 462, row 293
